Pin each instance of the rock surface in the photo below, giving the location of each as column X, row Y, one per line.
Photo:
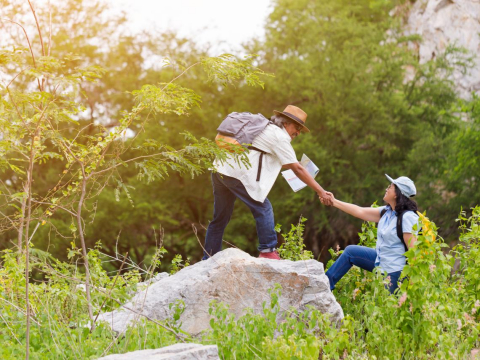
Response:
column 449, row 22
column 172, row 352
column 235, row 278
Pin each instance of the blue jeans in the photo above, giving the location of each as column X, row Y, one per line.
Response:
column 361, row 256
column 225, row 191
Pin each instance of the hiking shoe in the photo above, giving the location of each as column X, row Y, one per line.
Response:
column 270, row 255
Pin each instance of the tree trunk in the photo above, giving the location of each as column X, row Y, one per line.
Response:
column 84, row 248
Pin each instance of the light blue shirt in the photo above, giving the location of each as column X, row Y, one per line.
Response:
column 390, row 249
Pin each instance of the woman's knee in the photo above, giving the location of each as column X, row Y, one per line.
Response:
column 350, row 249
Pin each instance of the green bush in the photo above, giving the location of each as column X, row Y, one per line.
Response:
column 293, row 248
column 434, row 315
column 60, row 326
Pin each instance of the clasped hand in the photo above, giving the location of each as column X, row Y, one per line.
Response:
column 326, row 198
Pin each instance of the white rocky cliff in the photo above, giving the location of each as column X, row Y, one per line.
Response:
column 449, row 22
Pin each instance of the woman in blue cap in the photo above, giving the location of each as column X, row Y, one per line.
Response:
column 390, row 249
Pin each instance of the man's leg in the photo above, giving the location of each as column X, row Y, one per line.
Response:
column 224, row 201
column 361, row 256
column 263, row 214
column 264, row 218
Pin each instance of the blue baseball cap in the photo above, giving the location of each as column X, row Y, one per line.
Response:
column 406, row 186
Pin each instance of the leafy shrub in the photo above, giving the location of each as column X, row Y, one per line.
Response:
column 178, row 263
column 434, row 315
column 297, row 336
column 293, row 248
column 60, row 322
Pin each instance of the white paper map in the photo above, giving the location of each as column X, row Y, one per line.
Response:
column 295, row 183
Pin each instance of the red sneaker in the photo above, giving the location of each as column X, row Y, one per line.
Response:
column 270, row 255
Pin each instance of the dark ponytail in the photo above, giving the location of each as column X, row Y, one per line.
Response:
column 404, row 203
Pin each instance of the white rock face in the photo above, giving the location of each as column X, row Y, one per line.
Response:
column 447, row 22
column 235, row 278
column 145, row 284
column 173, row 352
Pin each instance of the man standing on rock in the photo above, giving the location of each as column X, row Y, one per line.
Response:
column 272, row 150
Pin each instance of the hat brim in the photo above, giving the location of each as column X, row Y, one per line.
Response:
column 294, row 118
column 390, row 179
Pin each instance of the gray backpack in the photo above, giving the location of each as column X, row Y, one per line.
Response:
column 238, row 130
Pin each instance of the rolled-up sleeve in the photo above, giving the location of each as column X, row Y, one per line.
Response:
column 409, row 220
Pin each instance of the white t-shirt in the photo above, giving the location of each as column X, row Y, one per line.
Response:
column 275, row 142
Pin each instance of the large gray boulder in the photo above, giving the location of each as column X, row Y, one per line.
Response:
column 172, row 352
column 448, row 22
column 235, row 278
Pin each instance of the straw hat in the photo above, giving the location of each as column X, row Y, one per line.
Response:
column 296, row 114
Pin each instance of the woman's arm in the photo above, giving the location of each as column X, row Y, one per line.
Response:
column 410, row 219
column 409, row 239
column 364, row 213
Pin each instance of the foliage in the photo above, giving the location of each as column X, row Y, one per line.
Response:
column 434, row 312
column 61, row 324
column 293, row 247
column 434, row 315
column 450, row 166
column 39, row 113
column 178, row 264
column 372, row 109
column 253, row 335
column 96, row 143
column 371, row 106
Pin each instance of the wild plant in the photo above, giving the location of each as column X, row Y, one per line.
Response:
column 434, row 312
column 293, row 247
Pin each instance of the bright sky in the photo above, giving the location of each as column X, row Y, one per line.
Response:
column 225, row 24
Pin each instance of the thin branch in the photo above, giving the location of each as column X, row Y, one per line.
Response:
column 28, row 40
column 11, row 81
column 84, row 248
column 184, row 71
column 9, row 328
column 29, row 45
column 28, row 188
column 38, row 27
column 127, row 161
column 5, row 216
column 49, row 28
column 34, row 231
column 19, row 309
column 114, row 282
column 59, row 206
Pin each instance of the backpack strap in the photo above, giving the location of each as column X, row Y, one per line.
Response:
column 260, row 160
column 383, row 212
column 400, row 229
column 259, row 171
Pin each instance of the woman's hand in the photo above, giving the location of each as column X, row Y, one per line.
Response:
column 326, row 198
column 364, row 213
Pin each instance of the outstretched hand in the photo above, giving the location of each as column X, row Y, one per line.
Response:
column 327, row 198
